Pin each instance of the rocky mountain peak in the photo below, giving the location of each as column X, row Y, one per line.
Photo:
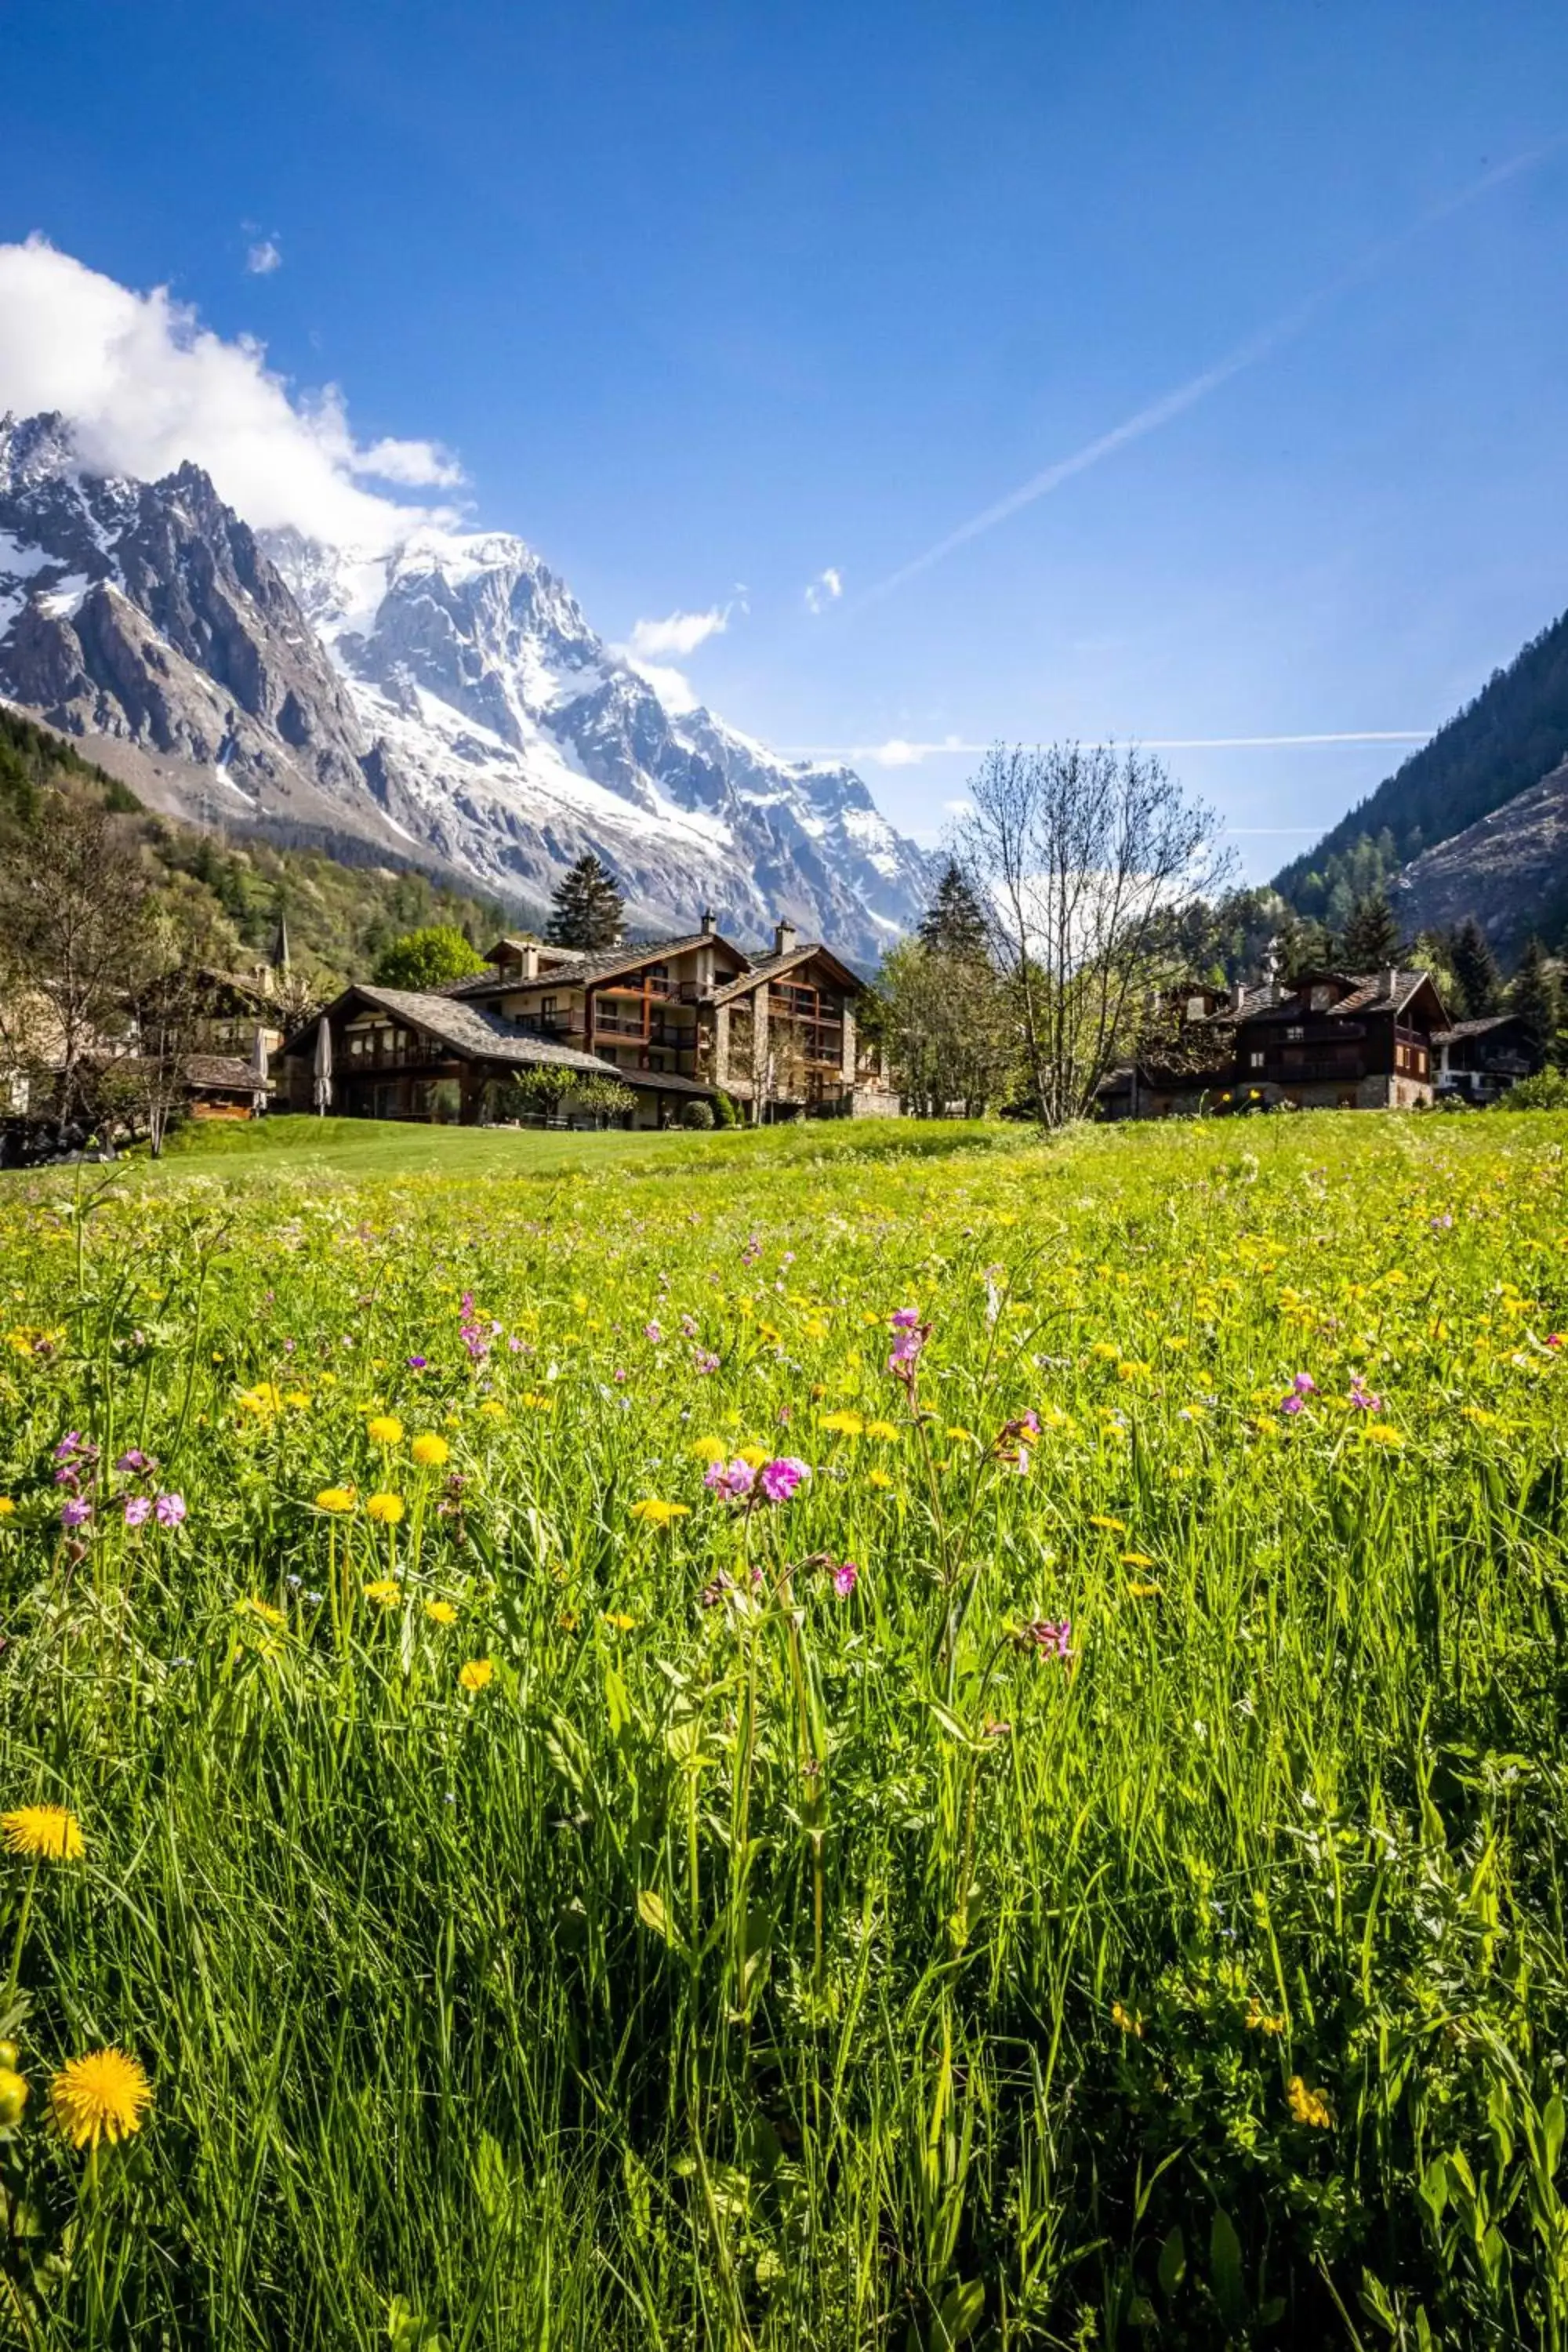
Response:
column 447, row 696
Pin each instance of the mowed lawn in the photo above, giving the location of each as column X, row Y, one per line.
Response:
column 846, row 1736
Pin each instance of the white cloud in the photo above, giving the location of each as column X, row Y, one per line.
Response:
column 673, row 689
column 678, row 633
column 825, row 590
column 898, row 753
column 958, row 808
column 145, row 387
column 264, row 258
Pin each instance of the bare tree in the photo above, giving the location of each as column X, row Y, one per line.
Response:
column 76, row 934
column 1080, row 855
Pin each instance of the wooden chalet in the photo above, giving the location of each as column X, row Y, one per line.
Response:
column 1477, row 1061
column 675, row 1020
column 1326, row 1040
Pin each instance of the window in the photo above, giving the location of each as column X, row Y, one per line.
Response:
column 357, row 1043
column 547, row 1005
column 1195, row 1008
column 1294, row 1036
column 1255, row 1061
column 1320, row 998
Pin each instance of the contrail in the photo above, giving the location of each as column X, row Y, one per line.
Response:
column 1188, row 396
column 900, row 754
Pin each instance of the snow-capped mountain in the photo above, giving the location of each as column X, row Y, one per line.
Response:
column 447, row 699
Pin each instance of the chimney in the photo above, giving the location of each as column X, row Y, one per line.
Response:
column 709, row 924
column 530, row 960
column 1390, row 981
column 783, row 937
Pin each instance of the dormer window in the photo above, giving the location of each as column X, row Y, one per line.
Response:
column 1322, row 998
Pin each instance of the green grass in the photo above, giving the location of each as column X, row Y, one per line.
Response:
column 1127, row 1912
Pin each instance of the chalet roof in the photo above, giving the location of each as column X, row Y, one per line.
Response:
column 229, row 1073
column 1480, row 1028
column 588, row 969
column 509, row 944
column 771, row 967
column 1365, row 991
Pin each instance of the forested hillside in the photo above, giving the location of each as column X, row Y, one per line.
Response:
column 1515, row 732
column 339, row 916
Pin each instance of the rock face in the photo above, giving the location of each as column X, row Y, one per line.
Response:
column 447, row 698
column 1510, row 870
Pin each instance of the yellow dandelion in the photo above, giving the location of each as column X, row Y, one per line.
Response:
column 753, row 1456
column 297, row 1398
column 386, row 1589
column 1380, row 1433
column 1136, row 1560
column 659, row 1515
column 708, row 1449
column 250, row 1606
column 878, row 1478
column 15, row 2093
column 1308, row 2107
column 384, row 1429
column 1142, row 1590
column 844, row 1423
column 6, row 1507
column 431, row 1453
column 884, row 1429
column 1127, row 2019
column 620, row 1620
column 960, row 1436
column 440, row 1612
column 46, row 1833
column 1259, row 2020
column 568, row 1620
column 1111, row 1527
column 493, row 1409
column 335, row 1498
column 101, row 2096
column 265, row 1398
column 475, row 1675
column 386, row 1509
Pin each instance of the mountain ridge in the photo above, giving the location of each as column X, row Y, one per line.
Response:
column 446, row 697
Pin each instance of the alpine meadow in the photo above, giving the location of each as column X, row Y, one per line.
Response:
column 880, row 1736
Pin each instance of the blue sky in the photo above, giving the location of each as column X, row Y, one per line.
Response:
column 711, row 301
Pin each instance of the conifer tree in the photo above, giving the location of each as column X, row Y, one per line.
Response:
column 1475, row 968
column 954, row 922
column 586, row 910
column 1371, row 934
column 1535, row 997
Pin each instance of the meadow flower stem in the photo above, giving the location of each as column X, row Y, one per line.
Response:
column 27, row 1912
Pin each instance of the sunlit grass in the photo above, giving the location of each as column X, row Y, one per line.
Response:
column 554, row 1901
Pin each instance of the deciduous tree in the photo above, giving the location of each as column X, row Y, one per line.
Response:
column 1083, row 858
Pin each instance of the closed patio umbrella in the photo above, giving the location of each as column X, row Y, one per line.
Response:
column 258, row 1071
column 323, row 1066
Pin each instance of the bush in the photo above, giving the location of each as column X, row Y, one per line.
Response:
column 1547, row 1090
column 427, row 959
column 698, row 1114
column 725, row 1112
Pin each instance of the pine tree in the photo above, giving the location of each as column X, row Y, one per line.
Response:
column 586, row 910
column 1371, row 934
column 1475, row 970
column 1535, row 997
column 954, row 923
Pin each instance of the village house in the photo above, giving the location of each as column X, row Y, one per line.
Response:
column 676, row 1021
column 1477, row 1061
column 1325, row 1040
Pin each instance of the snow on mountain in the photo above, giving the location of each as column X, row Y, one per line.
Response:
column 448, row 698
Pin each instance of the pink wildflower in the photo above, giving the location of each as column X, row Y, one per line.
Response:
column 733, row 1480
column 846, row 1575
column 138, row 1510
column 170, row 1510
column 779, row 1479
